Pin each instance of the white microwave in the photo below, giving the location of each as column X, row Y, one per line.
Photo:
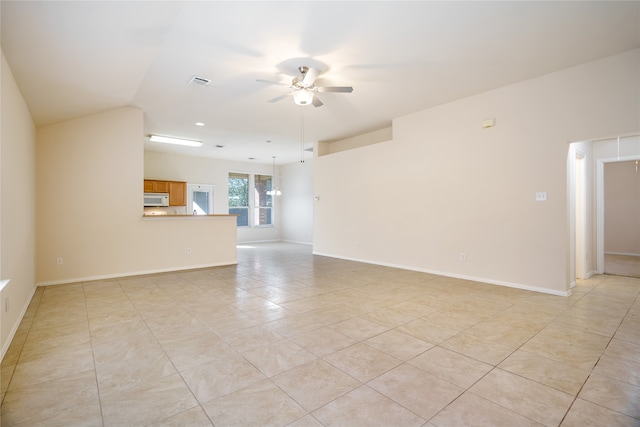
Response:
column 156, row 199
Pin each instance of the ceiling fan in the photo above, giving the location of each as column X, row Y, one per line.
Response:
column 304, row 87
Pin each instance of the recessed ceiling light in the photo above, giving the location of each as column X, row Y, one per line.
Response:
column 171, row 140
column 268, row 141
column 252, row 158
column 199, row 124
column 219, row 146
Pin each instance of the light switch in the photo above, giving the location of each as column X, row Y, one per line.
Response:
column 488, row 123
column 541, row 196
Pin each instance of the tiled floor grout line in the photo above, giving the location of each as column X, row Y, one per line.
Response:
column 93, row 354
column 576, row 397
column 351, row 295
column 504, row 358
column 35, row 310
column 180, row 374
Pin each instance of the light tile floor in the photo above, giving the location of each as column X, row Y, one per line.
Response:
column 286, row 338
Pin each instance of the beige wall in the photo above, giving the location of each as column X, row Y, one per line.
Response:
column 622, row 208
column 445, row 186
column 329, row 147
column 297, row 202
column 18, row 205
column 89, row 194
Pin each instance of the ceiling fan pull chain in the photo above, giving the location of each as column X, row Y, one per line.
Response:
column 301, row 135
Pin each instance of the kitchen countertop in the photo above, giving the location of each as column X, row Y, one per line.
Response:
column 145, row 216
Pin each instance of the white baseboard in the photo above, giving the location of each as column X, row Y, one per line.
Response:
column 252, row 242
column 622, row 253
column 132, row 273
column 298, row 243
column 12, row 334
column 458, row 276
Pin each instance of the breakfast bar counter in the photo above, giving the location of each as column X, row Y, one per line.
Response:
column 182, row 216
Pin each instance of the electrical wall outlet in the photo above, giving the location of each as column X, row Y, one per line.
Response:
column 541, row 196
column 462, row 257
column 59, row 260
column 188, row 251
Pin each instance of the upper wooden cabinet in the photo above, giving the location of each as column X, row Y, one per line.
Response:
column 152, row 186
column 177, row 190
column 177, row 193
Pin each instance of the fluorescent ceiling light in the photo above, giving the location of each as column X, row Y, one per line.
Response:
column 178, row 141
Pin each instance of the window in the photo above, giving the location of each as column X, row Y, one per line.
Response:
column 263, row 201
column 249, row 199
column 239, row 197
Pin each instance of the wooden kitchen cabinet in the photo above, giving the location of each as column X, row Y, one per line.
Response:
column 177, row 190
column 153, row 186
column 177, row 193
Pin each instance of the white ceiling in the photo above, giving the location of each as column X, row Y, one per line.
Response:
column 76, row 58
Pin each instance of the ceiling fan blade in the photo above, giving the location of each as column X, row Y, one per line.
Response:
column 344, row 89
column 310, row 76
column 278, row 98
column 269, row 82
column 316, row 102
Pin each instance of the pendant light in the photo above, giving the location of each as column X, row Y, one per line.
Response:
column 274, row 190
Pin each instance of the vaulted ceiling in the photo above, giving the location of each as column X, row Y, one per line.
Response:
column 71, row 59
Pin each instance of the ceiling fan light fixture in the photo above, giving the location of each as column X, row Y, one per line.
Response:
column 177, row 141
column 303, row 97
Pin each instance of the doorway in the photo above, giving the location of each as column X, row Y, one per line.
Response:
column 200, row 199
column 620, row 213
column 585, row 170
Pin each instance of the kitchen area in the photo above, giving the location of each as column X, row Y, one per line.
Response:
column 165, row 197
column 214, row 173
column 181, row 215
column 177, row 198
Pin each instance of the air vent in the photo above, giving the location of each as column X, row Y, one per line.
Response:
column 199, row 81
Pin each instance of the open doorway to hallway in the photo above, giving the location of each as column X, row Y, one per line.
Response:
column 617, row 177
column 604, row 220
column 622, row 218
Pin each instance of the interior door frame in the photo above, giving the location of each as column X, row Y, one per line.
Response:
column 200, row 187
column 600, row 206
column 580, row 198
